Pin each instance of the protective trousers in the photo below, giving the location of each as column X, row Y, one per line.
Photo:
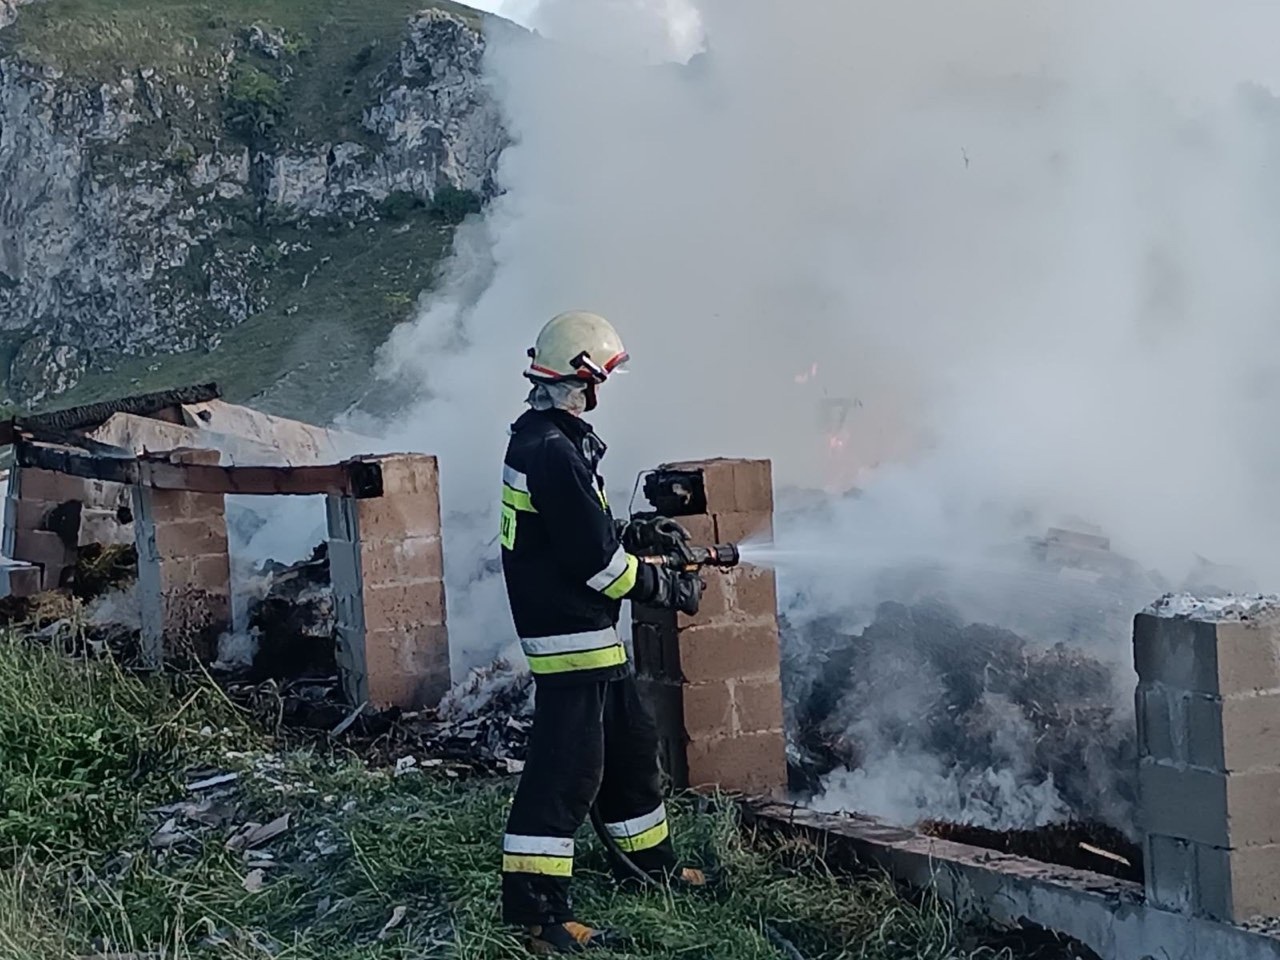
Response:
column 591, row 740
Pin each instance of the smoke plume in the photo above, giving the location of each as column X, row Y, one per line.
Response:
column 1001, row 264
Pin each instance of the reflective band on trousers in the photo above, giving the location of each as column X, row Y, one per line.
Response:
column 574, row 651
column 641, row 833
column 548, row 856
column 616, row 580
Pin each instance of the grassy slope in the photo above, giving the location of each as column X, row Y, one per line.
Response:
column 314, row 360
column 312, row 349
column 84, row 751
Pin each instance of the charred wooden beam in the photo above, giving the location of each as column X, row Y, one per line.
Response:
column 92, row 414
column 359, row 479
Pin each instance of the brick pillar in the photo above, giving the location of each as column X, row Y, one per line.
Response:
column 387, row 567
column 184, row 568
column 1208, row 707
column 713, row 680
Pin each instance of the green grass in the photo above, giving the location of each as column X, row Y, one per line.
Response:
column 363, row 847
column 309, row 353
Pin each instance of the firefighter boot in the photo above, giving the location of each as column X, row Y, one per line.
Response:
column 569, row 937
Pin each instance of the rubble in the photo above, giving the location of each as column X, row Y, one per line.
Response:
column 1186, row 606
column 920, row 682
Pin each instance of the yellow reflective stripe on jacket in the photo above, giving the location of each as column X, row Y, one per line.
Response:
column 613, row 656
column 517, row 499
column 645, row 841
column 618, row 577
column 624, row 584
column 544, row 866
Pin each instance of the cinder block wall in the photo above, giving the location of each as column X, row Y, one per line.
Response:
column 49, row 515
column 714, row 680
column 184, row 568
column 1208, row 707
column 387, row 566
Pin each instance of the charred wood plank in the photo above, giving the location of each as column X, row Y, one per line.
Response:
column 93, row 414
column 359, row 479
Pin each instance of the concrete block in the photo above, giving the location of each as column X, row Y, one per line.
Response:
column 753, row 486
column 1217, row 809
column 50, row 486
column 1235, row 734
column 203, row 536
column 708, row 710
column 210, row 573
column 1221, row 659
column 399, row 516
column 740, row 527
column 753, row 763
column 407, row 473
column 171, row 506
column 1245, row 730
column 28, row 514
column 104, row 527
column 701, row 528
column 410, row 560
column 756, row 591
column 1240, row 885
column 655, row 644
column 24, row 581
column 406, row 668
column 1156, row 706
column 718, row 600
column 1182, row 803
column 1170, row 866
column 402, row 605
column 757, row 705
column 730, row 651
column 718, row 482
column 733, row 485
column 1248, row 656
column 42, row 547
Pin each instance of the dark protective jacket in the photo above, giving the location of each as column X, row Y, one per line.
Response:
column 566, row 572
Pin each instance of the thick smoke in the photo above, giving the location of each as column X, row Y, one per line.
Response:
column 1004, row 264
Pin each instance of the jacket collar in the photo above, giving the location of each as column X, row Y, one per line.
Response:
column 579, row 432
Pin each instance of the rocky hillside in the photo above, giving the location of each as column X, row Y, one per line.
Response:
column 252, row 185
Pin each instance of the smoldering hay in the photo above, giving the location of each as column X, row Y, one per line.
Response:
column 1004, row 264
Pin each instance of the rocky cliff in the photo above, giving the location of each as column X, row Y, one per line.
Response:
column 162, row 182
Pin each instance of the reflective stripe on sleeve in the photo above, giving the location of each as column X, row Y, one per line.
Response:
column 517, row 500
column 592, row 650
column 546, row 856
column 515, row 479
column 617, row 579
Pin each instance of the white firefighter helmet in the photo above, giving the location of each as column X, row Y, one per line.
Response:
column 576, row 346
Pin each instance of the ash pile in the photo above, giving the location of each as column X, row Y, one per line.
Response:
column 924, row 709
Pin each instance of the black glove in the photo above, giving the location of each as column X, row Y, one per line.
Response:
column 676, row 590
column 651, row 535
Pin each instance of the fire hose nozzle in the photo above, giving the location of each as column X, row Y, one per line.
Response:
column 690, row 559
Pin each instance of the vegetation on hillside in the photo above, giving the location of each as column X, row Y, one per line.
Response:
column 330, row 306
column 303, row 72
column 371, row 865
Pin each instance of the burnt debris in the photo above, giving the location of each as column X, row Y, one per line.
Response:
column 919, row 681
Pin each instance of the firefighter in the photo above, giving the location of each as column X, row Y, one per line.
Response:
column 567, row 573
